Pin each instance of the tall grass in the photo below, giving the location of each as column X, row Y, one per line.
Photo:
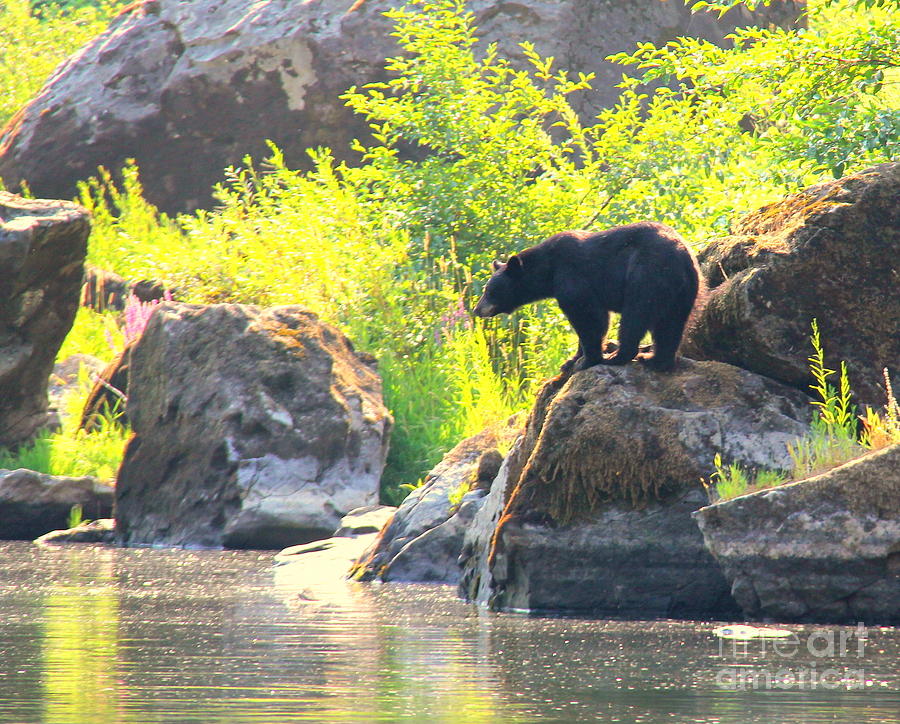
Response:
column 70, row 451
column 836, row 435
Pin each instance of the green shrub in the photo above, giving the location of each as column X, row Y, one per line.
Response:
column 34, row 40
column 93, row 333
column 71, row 451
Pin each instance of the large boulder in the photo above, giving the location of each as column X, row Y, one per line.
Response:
column 591, row 511
column 33, row 503
column 253, row 428
column 423, row 540
column 42, row 249
column 825, row 549
column 188, row 88
column 828, row 253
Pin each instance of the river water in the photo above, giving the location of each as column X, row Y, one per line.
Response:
column 91, row 634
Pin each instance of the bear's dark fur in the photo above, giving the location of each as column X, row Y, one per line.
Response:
column 644, row 271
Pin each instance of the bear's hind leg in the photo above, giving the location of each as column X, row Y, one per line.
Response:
column 667, row 336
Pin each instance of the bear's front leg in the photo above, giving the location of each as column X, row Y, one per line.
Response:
column 570, row 363
column 632, row 328
column 590, row 325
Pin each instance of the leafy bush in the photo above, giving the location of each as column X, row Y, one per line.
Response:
column 33, row 41
column 823, row 98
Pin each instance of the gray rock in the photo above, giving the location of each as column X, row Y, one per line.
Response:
column 810, row 256
column 423, row 540
column 433, row 556
column 42, row 249
column 105, row 290
column 93, row 531
column 591, row 511
column 824, row 549
column 183, row 86
column 254, row 428
column 33, row 503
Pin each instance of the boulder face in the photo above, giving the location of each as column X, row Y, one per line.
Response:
column 423, row 540
column 828, row 252
column 826, row 549
column 42, row 250
column 183, row 86
column 253, row 428
column 591, row 511
column 32, row 503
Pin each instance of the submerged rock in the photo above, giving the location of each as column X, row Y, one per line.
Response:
column 423, row 540
column 92, row 531
column 42, row 250
column 825, row 549
column 365, row 520
column 33, row 503
column 828, row 252
column 591, row 511
column 253, row 428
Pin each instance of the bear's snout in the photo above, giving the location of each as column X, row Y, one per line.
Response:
column 485, row 309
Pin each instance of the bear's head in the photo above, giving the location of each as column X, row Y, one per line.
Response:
column 503, row 292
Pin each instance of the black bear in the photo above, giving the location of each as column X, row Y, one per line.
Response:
column 644, row 271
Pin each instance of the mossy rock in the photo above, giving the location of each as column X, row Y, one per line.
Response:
column 828, row 253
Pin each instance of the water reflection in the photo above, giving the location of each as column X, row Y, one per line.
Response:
column 94, row 634
column 80, row 642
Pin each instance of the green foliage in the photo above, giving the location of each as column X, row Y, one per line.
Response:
column 494, row 176
column 71, row 451
column 509, row 162
column 33, row 41
column 733, row 480
column 93, row 333
column 129, row 235
column 723, row 7
column 835, row 411
column 76, row 516
column 833, row 438
column 822, row 99
column 882, row 429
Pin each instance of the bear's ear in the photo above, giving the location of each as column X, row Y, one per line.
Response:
column 514, row 265
column 498, row 265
